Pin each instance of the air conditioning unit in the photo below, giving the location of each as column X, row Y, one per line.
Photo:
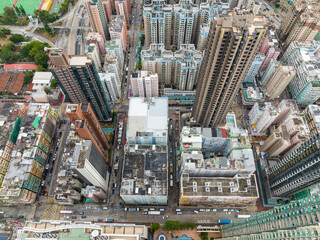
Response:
column 195, row 189
column 207, row 189
column 219, row 189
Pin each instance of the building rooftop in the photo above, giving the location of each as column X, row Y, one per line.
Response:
column 151, row 179
column 67, row 230
column 79, row 61
column 19, row 66
column 147, row 115
column 33, row 132
column 242, row 185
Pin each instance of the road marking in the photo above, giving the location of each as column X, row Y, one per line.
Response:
column 50, row 212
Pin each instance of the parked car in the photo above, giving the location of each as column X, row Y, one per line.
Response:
column 74, row 217
column 83, row 217
column 195, row 211
column 80, row 213
column 165, row 217
column 179, row 213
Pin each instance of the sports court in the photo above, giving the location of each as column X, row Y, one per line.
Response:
column 29, row 5
column 5, row 3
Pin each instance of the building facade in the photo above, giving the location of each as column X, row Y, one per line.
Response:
column 78, row 78
column 111, row 85
column 173, row 68
column 144, row 84
column 279, row 81
column 305, row 86
column 218, row 86
column 254, row 69
column 89, row 165
column 98, row 17
column 87, row 126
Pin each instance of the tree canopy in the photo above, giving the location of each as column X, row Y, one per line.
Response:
column 17, row 38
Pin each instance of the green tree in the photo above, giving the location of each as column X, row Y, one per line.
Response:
column 211, row 238
column 17, row 9
column 40, row 68
column 142, row 38
column 8, row 11
column 171, row 225
column 45, row 16
column 54, row 83
column 277, row 5
column 11, row 46
column 64, row 7
column 28, row 77
column 7, row 56
column 41, row 58
column 204, row 236
column 139, row 64
column 154, row 227
column 23, row 12
column 47, row 90
column 17, row 38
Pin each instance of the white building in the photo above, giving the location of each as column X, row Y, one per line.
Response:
column 90, row 167
column 270, row 113
column 111, row 86
column 177, row 68
column 115, row 48
column 92, row 51
column 41, row 80
column 255, row 113
column 144, row 84
column 272, row 67
column 254, row 68
column 148, row 121
column 305, row 86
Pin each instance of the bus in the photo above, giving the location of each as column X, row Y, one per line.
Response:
column 66, row 212
column 244, row 216
column 224, row 221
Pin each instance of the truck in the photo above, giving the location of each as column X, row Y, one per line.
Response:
column 243, row 216
column 171, row 183
column 154, row 212
column 224, row 221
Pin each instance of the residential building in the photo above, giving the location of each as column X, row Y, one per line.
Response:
column 144, row 84
column 78, row 78
column 94, row 37
column 252, row 95
column 68, row 188
column 311, row 116
column 123, row 7
column 108, row 5
column 112, row 65
column 254, row 68
column 203, row 37
column 25, row 154
column 115, row 48
column 87, row 126
column 148, row 121
column 73, row 229
column 277, row 142
column 187, row 61
column 111, row 85
column 217, row 88
column 145, row 175
column 301, row 21
column 305, row 86
column 119, row 30
column 173, row 68
column 185, row 15
column 268, row 115
column 92, row 51
column 175, row 24
column 295, row 220
column 89, row 165
column 271, row 69
column 255, row 113
column 94, row 193
column 179, row 98
column 158, row 20
column 270, row 48
column 98, row 18
column 279, row 81
column 297, row 170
